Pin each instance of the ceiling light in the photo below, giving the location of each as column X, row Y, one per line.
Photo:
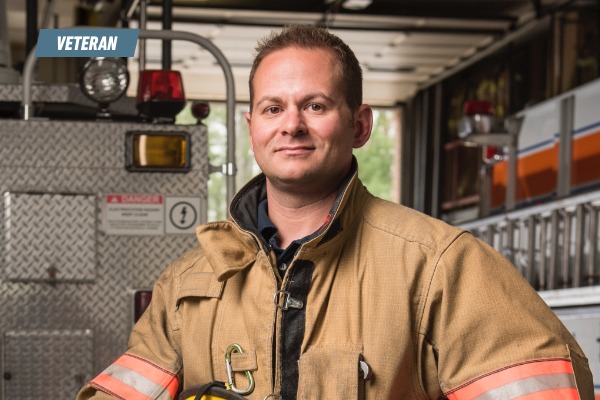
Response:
column 399, row 39
column 356, row 4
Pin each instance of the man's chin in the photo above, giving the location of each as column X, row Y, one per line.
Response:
column 293, row 181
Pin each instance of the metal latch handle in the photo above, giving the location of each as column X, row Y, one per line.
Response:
column 288, row 300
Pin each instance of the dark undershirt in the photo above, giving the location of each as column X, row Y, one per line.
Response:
column 269, row 231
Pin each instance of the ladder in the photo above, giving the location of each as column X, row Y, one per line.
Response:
column 553, row 245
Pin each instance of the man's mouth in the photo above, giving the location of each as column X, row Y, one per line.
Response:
column 294, row 150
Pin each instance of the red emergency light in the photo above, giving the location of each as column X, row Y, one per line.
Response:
column 160, row 93
column 479, row 119
column 478, row 107
column 200, row 109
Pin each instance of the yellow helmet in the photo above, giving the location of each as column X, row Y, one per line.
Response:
column 209, row 391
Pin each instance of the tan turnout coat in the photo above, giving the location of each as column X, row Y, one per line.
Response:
column 429, row 308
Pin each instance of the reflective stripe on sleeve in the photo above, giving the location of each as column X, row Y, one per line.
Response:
column 530, row 380
column 135, row 378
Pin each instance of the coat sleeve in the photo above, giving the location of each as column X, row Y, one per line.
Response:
column 489, row 334
column 151, row 367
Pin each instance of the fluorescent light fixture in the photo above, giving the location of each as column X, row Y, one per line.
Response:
column 356, row 4
column 399, row 39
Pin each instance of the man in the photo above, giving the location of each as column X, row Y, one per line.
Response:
column 315, row 289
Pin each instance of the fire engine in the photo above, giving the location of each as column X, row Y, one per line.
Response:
column 547, row 200
column 99, row 192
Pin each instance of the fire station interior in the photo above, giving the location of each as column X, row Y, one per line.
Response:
column 514, row 53
column 486, row 116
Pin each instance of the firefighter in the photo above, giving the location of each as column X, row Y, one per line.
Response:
column 316, row 289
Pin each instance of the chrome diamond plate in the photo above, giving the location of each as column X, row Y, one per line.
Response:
column 60, row 161
column 44, row 92
column 60, row 93
column 27, row 352
column 13, row 93
column 33, row 218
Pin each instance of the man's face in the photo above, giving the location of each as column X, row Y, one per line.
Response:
column 301, row 129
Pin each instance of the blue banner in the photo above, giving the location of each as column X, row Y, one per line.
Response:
column 87, row 42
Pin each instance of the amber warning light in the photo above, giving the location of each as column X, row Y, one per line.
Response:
column 157, row 151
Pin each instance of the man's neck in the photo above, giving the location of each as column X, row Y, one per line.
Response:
column 297, row 217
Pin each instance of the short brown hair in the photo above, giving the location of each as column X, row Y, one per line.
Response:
column 307, row 37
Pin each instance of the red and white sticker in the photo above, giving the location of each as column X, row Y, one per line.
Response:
column 134, row 214
column 150, row 214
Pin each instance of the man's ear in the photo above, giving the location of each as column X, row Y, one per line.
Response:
column 249, row 123
column 363, row 123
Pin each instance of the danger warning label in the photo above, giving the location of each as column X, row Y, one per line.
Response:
column 150, row 214
column 134, row 199
column 134, row 214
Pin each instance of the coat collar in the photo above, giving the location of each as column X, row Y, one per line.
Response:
column 233, row 245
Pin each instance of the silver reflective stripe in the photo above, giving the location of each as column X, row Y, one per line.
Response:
column 138, row 382
column 529, row 385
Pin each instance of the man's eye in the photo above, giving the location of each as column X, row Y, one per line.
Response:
column 272, row 110
column 315, row 107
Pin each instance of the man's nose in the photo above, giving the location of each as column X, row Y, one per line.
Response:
column 293, row 123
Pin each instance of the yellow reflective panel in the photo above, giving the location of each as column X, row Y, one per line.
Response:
column 153, row 151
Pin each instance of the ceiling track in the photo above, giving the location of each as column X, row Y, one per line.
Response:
column 334, row 8
column 336, row 26
column 532, row 26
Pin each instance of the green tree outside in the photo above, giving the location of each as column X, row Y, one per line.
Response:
column 376, row 158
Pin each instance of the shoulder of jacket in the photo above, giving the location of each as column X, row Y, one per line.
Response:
column 410, row 225
column 193, row 260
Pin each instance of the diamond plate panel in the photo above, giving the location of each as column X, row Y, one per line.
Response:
column 61, row 93
column 79, row 144
column 30, row 360
column 49, row 237
column 53, row 158
column 12, row 93
column 43, row 92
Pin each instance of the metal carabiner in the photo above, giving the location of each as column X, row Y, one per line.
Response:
column 230, row 384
